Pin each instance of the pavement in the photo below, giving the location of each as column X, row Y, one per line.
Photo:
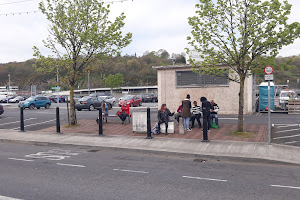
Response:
column 237, row 150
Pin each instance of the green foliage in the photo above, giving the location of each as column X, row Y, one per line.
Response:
column 80, row 32
column 82, row 29
column 114, row 81
column 240, row 34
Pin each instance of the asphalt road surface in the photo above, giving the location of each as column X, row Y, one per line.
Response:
column 31, row 172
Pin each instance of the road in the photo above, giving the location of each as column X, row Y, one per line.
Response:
column 49, row 172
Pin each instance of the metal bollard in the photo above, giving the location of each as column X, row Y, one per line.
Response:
column 100, row 122
column 148, row 124
column 205, row 123
column 57, row 120
column 22, row 119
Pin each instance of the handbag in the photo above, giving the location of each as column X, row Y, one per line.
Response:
column 214, row 125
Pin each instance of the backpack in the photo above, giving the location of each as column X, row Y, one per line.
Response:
column 155, row 129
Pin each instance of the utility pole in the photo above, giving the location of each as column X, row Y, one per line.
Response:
column 8, row 89
column 89, row 82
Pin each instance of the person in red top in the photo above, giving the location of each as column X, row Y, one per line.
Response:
column 178, row 114
column 125, row 112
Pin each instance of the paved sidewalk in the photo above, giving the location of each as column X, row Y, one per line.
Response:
column 158, row 145
column 116, row 128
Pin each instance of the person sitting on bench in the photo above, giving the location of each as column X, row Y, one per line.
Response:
column 104, row 109
column 163, row 117
column 125, row 112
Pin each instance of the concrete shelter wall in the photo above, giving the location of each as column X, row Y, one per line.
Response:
column 226, row 96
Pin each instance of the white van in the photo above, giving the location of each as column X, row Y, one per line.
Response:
column 2, row 97
column 285, row 96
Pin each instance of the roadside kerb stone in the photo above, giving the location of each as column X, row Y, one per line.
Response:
column 233, row 149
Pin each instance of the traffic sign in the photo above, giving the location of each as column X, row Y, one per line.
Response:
column 269, row 70
column 269, row 77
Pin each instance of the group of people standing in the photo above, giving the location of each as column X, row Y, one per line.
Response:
column 189, row 112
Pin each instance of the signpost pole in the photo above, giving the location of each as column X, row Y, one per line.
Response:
column 269, row 77
column 269, row 113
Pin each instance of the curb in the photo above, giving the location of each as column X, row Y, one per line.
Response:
column 196, row 157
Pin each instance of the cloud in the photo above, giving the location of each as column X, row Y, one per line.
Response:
column 155, row 24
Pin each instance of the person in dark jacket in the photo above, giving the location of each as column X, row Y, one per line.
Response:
column 206, row 107
column 163, row 117
column 214, row 112
column 186, row 112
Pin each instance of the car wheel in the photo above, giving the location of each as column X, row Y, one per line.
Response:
column 17, row 101
column 31, row 107
column 38, row 107
column 47, row 106
column 79, row 109
column 109, row 106
column 91, row 108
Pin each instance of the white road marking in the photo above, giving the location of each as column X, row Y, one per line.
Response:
column 293, row 142
column 288, row 125
column 287, row 130
column 284, row 186
column 208, row 179
column 133, row 171
column 20, row 159
column 45, row 122
column 8, row 198
column 230, row 118
column 70, row 165
column 291, row 136
column 16, row 122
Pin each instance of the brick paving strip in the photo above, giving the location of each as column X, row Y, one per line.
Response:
column 116, row 128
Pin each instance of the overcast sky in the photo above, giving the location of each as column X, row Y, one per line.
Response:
column 155, row 24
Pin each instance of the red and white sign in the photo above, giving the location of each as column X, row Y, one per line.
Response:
column 269, row 70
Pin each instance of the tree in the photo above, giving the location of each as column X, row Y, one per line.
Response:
column 80, row 33
column 238, row 33
column 114, row 81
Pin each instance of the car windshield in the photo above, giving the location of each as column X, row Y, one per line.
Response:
column 284, row 94
column 128, row 97
column 101, row 98
column 30, row 99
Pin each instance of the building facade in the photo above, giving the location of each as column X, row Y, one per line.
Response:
column 176, row 81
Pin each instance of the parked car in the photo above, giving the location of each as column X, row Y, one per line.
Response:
column 17, row 99
column 149, row 97
column 109, row 99
column 2, row 98
column 53, row 98
column 1, row 109
column 36, row 102
column 132, row 100
column 90, row 103
column 7, row 99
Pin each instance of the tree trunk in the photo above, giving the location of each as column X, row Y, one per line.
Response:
column 241, row 104
column 73, row 120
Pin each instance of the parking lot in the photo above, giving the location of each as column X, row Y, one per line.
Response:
column 288, row 134
column 38, row 119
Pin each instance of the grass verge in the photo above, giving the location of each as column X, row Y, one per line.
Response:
column 244, row 134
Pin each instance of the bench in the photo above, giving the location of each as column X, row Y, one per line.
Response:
column 171, row 128
column 104, row 118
